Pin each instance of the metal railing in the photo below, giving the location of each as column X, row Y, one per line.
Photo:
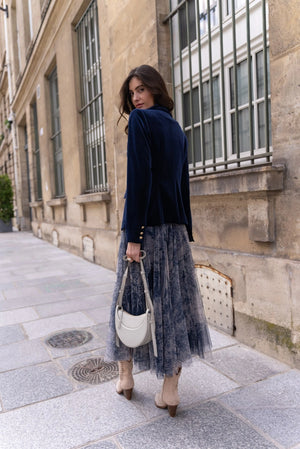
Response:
column 218, row 102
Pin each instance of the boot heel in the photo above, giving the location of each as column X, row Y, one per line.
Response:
column 128, row 393
column 125, row 383
column 172, row 410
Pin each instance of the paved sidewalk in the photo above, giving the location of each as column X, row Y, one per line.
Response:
column 240, row 399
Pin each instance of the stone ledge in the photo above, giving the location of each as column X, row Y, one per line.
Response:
column 36, row 204
column 97, row 197
column 58, row 202
column 92, row 198
column 55, row 202
column 255, row 179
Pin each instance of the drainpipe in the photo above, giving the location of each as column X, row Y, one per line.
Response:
column 12, row 120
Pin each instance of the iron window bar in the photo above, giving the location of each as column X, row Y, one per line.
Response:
column 249, row 80
column 264, row 26
column 230, row 162
column 202, row 145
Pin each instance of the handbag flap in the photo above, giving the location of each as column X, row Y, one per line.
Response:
column 132, row 321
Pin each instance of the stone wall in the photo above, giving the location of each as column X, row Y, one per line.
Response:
column 125, row 43
column 246, row 221
column 247, row 224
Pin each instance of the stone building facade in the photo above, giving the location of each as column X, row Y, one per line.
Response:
column 65, row 61
column 7, row 155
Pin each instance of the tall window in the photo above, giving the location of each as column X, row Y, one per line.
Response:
column 237, row 5
column 220, row 66
column 30, row 19
column 56, row 135
column 258, row 105
column 260, row 100
column 211, row 129
column 36, row 152
column 91, row 100
column 214, row 15
column 187, row 19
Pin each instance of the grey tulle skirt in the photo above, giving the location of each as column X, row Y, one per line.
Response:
column 181, row 328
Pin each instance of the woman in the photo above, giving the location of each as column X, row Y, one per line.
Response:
column 157, row 219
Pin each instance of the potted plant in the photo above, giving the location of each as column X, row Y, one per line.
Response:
column 6, row 204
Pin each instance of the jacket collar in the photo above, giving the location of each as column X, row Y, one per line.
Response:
column 160, row 108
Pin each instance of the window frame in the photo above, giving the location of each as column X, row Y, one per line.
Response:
column 56, row 134
column 36, row 153
column 91, row 108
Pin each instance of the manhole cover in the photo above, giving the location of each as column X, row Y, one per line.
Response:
column 94, row 371
column 69, row 339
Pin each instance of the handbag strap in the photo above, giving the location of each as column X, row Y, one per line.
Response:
column 149, row 304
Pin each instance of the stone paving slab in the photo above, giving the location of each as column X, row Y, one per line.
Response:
column 100, row 315
column 220, row 340
column 21, row 354
column 273, row 405
column 207, row 426
column 108, row 444
column 32, row 384
column 71, row 305
column 244, row 365
column 63, row 285
column 218, row 408
column 106, row 277
column 11, row 334
column 69, row 421
column 27, row 301
column 17, row 316
column 44, row 275
column 89, row 291
column 21, row 291
column 198, row 382
column 45, row 326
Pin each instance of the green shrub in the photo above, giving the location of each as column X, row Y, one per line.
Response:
column 6, row 199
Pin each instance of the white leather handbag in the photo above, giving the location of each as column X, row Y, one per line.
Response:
column 135, row 330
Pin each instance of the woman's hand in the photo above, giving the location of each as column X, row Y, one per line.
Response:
column 133, row 251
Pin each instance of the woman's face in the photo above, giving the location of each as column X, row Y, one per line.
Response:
column 140, row 95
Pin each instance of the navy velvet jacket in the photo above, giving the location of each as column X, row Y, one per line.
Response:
column 157, row 173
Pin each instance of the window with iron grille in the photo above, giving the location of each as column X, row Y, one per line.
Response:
column 258, row 116
column 36, row 153
column 56, row 135
column 220, row 66
column 91, row 100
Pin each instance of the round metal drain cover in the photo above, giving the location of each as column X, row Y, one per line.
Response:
column 94, row 371
column 69, row 339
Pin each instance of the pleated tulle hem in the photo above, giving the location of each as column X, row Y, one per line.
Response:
column 181, row 327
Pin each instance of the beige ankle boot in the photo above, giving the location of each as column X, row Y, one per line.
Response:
column 168, row 397
column 125, row 382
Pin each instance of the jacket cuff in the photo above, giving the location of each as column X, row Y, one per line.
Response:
column 135, row 235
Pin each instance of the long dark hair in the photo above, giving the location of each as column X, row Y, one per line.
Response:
column 151, row 79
